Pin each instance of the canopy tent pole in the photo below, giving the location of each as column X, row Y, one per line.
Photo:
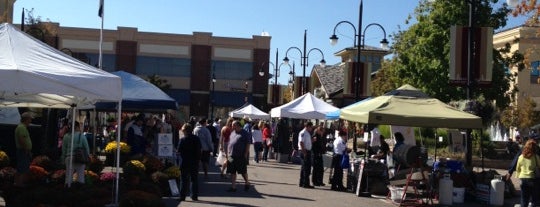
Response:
column 70, row 165
column 93, row 123
column 118, row 133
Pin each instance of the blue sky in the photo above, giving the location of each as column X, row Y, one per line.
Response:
column 284, row 20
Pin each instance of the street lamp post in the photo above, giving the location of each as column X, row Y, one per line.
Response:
column 291, row 81
column 213, row 98
column 275, row 90
column 304, row 60
column 359, row 40
column 358, row 44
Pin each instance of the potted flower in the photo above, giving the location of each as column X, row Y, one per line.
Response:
column 173, row 172
column 58, row 176
column 38, row 174
column 110, row 152
column 4, row 159
column 152, row 164
column 133, row 170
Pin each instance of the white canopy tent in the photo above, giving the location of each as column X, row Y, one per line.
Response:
column 33, row 74
column 248, row 110
column 304, row 107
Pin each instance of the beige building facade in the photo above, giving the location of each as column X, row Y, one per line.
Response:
column 527, row 80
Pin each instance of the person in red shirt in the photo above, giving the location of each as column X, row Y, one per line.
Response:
column 267, row 141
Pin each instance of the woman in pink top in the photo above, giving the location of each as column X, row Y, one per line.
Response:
column 267, row 140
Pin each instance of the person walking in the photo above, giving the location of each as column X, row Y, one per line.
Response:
column 23, row 145
column 267, row 140
column 238, row 155
column 528, row 161
column 304, row 145
column 206, row 144
column 189, row 149
column 217, row 125
column 79, row 140
column 318, row 149
column 257, row 139
column 224, row 142
column 340, row 148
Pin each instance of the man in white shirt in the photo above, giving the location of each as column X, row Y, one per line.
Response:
column 304, row 145
column 340, row 147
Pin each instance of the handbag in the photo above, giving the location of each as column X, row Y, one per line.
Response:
column 220, row 160
column 268, row 142
column 80, row 155
column 345, row 164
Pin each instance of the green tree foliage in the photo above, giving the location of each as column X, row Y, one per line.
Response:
column 422, row 51
column 159, row 82
column 385, row 80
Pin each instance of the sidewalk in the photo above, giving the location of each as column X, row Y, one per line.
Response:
column 276, row 184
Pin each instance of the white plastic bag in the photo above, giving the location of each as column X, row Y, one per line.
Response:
column 220, row 160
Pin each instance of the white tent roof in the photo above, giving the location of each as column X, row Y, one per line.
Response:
column 250, row 111
column 33, row 74
column 304, row 107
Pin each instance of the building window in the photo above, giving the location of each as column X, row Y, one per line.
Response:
column 230, row 70
column 164, row 66
column 535, row 71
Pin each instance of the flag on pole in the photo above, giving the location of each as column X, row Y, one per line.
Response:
column 100, row 12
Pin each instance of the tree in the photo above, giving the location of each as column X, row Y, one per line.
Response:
column 523, row 116
column 530, row 9
column 159, row 82
column 38, row 28
column 385, row 80
column 422, row 51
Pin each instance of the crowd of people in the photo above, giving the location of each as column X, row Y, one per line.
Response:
column 198, row 140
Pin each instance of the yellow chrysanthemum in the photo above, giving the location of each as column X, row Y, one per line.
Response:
column 111, row 147
column 173, row 172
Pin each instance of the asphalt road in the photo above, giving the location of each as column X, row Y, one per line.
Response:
column 272, row 184
column 276, row 184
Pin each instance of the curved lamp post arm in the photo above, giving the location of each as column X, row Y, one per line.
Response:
column 261, row 70
column 384, row 41
column 334, row 38
column 286, row 59
column 323, row 62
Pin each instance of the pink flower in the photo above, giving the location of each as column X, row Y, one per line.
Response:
column 108, row 176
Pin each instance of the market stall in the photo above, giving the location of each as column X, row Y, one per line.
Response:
column 304, row 107
column 407, row 106
column 248, row 110
column 33, row 74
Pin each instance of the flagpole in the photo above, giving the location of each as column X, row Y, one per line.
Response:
column 101, row 14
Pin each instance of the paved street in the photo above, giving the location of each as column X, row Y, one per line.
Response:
column 273, row 184
column 276, row 184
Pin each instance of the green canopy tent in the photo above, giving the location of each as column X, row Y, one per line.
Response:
column 408, row 106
